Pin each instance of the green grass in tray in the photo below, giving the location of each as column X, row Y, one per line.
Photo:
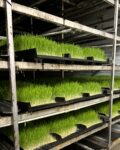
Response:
column 43, row 45
column 71, row 89
column 67, row 89
column 91, row 87
column 46, row 46
column 103, row 81
column 34, row 93
column 75, row 50
column 104, row 108
column 44, row 91
column 97, row 53
column 37, row 133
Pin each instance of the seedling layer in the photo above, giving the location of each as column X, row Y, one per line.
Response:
column 39, row 132
column 63, row 125
column 46, row 46
column 44, row 91
column 104, row 108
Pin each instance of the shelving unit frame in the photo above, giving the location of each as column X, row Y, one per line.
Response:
column 12, row 65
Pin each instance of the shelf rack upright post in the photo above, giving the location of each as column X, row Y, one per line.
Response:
column 113, row 71
column 12, row 73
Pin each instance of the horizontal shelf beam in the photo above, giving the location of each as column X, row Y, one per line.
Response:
column 57, row 20
column 55, row 67
column 6, row 121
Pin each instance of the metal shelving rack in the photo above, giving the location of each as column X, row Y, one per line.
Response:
column 12, row 66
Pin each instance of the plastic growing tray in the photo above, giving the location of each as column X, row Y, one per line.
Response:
column 69, row 137
column 6, row 143
column 5, row 107
column 64, row 103
column 75, row 135
column 32, row 56
column 60, row 101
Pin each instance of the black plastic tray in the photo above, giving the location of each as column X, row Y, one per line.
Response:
column 74, row 135
column 6, row 107
column 69, row 137
column 32, row 56
column 6, row 143
column 72, row 101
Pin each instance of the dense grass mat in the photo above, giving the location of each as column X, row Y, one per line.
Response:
column 38, row 133
column 104, row 108
column 46, row 46
column 44, row 91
